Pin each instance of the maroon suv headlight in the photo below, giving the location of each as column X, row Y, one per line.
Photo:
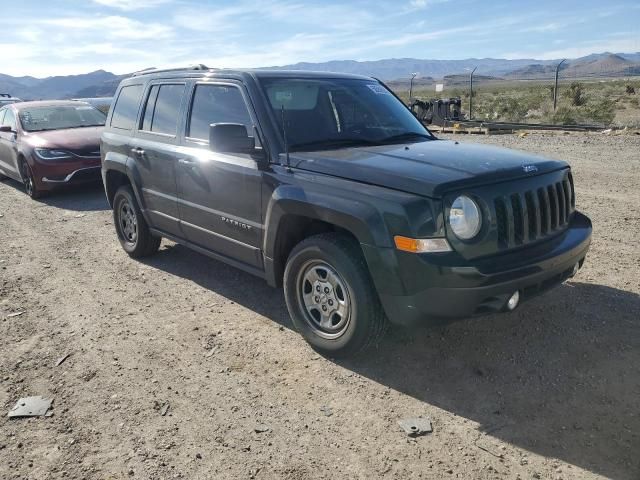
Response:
column 52, row 154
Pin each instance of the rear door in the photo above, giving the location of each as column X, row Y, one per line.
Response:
column 219, row 193
column 8, row 144
column 154, row 153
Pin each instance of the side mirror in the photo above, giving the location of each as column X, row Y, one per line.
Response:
column 231, row 138
column 6, row 129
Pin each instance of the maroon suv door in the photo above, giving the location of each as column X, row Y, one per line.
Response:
column 8, row 142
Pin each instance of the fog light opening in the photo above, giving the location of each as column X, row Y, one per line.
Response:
column 513, row 301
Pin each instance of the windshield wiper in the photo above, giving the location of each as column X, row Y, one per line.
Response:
column 328, row 143
column 406, row 136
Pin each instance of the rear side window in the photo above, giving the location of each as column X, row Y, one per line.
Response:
column 2, row 116
column 125, row 110
column 216, row 104
column 163, row 109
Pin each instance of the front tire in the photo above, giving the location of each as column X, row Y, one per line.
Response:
column 331, row 297
column 132, row 229
column 28, row 179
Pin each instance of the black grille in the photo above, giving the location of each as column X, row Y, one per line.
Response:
column 529, row 216
column 90, row 151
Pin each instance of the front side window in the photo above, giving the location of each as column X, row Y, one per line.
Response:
column 125, row 110
column 216, row 104
column 57, row 117
column 9, row 119
column 162, row 110
column 2, row 115
column 337, row 113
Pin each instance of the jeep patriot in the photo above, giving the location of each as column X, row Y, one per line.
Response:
column 327, row 185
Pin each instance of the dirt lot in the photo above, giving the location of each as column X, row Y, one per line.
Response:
column 551, row 391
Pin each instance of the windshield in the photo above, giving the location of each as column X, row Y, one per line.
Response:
column 37, row 119
column 337, row 113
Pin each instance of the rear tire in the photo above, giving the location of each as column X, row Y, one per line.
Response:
column 132, row 229
column 331, row 297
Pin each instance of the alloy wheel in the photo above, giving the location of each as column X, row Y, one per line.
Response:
column 325, row 298
column 128, row 222
column 29, row 185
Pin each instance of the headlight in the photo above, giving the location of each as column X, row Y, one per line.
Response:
column 51, row 154
column 464, row 218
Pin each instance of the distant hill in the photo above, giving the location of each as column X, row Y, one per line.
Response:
column 396, row 71
column 464, row 79
column 54, row 87
column 609, row 64
column 396, row 68
column 104, row 89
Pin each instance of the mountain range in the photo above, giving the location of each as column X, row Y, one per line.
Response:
column 102, row 83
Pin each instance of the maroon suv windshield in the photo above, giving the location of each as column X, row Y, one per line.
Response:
column 37, row 119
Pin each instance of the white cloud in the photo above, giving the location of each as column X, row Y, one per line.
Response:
column 129, row 5
column 581, row 50
column 474, row 31
column 547, row 27
column 317, row 17
column 112, row 26
column 420, row 4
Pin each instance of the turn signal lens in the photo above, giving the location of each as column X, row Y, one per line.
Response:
column 422, row 245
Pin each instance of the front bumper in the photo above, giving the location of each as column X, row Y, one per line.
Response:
column 435, row 286
column 86, row 174
column 50, row 175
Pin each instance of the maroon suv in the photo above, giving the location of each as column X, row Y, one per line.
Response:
column 50, row 144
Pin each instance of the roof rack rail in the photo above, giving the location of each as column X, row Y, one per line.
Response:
column 6, row 95
column 149, row 71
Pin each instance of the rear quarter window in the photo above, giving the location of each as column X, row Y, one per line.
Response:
column 125, row 110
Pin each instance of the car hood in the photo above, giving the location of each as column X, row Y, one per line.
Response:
column 429, row 168
column 82, row 141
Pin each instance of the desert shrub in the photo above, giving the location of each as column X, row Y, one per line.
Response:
column 564, row 116
column 600, row 112
column 630, row 90
column 575, row 94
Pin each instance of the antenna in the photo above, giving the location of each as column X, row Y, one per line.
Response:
column 284, row 136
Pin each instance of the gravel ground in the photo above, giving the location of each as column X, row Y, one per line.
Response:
column 551, row 391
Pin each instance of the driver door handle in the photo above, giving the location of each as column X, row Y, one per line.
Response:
column 137, row 151
column 186, row 162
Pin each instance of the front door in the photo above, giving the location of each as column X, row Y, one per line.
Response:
column 154, row 154
column 8, row 150
column 219, row 193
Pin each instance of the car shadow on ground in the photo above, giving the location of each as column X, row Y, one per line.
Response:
column 88, row 197
column 558, row 377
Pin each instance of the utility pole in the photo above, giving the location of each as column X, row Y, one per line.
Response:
column 471, row 94
column 413, row 75
column 555, row 89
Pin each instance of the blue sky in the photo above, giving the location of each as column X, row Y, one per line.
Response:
column 60, row 37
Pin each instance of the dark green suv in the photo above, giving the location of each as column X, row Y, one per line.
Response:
column 326, row 184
